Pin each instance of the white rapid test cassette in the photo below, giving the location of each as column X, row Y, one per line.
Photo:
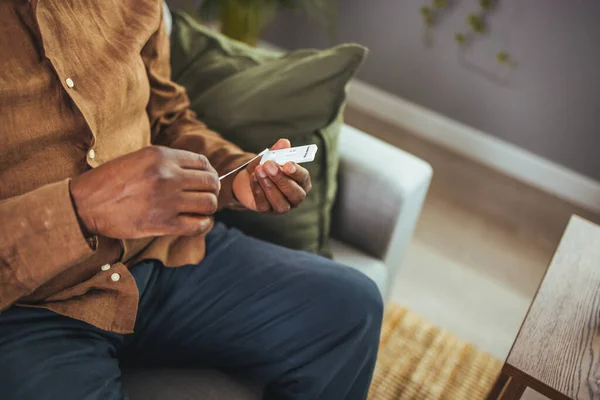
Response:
column 300, row 154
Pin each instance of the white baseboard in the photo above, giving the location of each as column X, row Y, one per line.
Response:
column 479, row 146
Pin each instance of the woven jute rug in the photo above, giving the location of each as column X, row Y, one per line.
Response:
column 418, row 360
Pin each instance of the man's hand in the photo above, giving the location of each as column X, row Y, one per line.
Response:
column 154, row 191
column 270, row 187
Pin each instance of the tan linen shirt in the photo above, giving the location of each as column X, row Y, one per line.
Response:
column 81, row 83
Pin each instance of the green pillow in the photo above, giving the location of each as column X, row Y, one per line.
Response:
column 253, row 97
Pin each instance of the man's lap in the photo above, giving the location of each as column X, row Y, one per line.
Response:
column 247, row 301
column 249, row 308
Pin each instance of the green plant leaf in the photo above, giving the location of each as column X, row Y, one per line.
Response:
column 324, row 11
column 460, row 38
column 502, row 57
column 486, row 4
column 440, row 4
column 428, row 15
column 475, row 21
column 425, row 10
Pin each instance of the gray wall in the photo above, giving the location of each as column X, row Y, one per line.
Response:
column 549, row 105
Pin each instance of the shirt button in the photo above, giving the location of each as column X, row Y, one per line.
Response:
column 115, row 277
column 105, row 267
column 92, row 154
column 69, row 82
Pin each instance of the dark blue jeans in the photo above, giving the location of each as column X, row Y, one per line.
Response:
column 301, row 325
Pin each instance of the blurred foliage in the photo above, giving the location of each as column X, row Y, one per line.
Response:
column 428, row 15
column 434, row 10
column 440, row 4
column 324, row 11
column 504, row 58
column 486, row 4
column 476, row 22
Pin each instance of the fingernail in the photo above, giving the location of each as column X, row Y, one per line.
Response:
column 261, row 172
column 290, row 168
column 271, row 168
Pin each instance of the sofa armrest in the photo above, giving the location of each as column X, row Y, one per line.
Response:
column 381, row 192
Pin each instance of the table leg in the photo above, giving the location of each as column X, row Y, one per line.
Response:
column 507, row 388
column 498, row 386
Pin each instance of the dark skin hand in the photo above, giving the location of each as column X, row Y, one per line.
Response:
column 271, row 187
column 154, row 191
column 159, row 191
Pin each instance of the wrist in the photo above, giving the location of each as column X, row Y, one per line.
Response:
column 237, row 191
column 76, row 196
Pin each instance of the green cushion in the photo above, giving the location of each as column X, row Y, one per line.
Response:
column 253, row 97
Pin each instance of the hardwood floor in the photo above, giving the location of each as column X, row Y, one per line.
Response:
column 489, row 222
column 481, row 247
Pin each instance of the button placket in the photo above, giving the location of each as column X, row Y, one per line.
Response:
column 63, row 71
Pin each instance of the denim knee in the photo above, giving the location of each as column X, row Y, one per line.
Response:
column 352, row 299
column 367, row 300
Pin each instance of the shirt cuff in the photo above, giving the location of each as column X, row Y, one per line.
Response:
column 42, row 228
column 92, row 240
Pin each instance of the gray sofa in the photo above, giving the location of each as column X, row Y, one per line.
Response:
column 381, row 192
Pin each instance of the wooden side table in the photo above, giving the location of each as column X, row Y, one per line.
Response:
column 557, row 350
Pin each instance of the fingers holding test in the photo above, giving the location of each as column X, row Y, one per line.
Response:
column 293, row 192
column 262, row 203
column 190, row 160
column 202, row 181
column 276, row 198
column 299, row 174
column 281, row 144
column 198, row 203
column 276, row 188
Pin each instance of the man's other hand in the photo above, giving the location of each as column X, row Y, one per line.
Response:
column 271, row 187
column 154, row 191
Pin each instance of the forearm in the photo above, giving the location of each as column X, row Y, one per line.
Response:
column 40, row 237
column 175, row 125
